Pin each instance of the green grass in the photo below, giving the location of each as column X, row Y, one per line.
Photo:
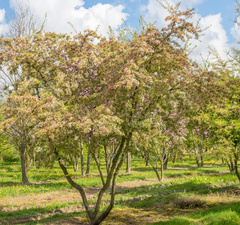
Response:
column 35, row 211
column 217, row 215
column 13, row 188
column 190, row 184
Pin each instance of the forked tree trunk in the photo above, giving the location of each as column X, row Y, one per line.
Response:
column 155, row 169
column 93, row 213
column 165, row 161
column 230, row 164
column 145, row 156
column 23, row 164
column 197, row 161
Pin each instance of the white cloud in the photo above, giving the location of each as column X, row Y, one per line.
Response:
column 2, row 15
column 62, row 12
column 235, row 30
column 214, row 37
column 2, row 19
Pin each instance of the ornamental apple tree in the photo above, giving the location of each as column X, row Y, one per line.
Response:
column 103, row 88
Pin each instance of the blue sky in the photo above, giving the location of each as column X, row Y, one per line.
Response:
column 88, row 14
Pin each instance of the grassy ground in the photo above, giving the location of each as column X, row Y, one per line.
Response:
column 188, row 195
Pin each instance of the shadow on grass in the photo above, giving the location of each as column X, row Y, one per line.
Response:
column 142, row 169
column 217, row 215
column 9, row 183
column 29, row 217
column 53, row 185
column 146, row 196
column 69, row 216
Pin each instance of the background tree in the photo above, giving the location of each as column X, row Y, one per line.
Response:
column 22, row 22
column 19, row 124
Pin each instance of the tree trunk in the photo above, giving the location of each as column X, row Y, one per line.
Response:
column 93, row 213
column 99, row 168
column 147, row 162
column 155, row 169
column 81, row 157
column 236, row 157
column 88, row 164
column 162, row 169
column 201, row 160
column 201, row 153
column 174, row 158
column 195, row 150
column 230, row 164
column 75, row 163
column 128, row 169
column 197, row 161
column 106, row 155
column 23, row 164
column 223, row 162
column 165, row 161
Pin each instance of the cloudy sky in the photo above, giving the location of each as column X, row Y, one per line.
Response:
column 217, row 15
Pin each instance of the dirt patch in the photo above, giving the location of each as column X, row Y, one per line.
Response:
column 37, row 200
column 70, row 221
column 11, row 204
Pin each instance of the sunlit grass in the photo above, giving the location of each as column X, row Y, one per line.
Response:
column 185, row 185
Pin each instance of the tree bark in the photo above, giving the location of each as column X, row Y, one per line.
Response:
column 174, row 158
column 112, row 200
column 201, row 160
column 75, row 163
column 23, row 164
column 95, row 218
column 236, row 157
column 128, row 169
column 162, row 169
column 106, row 155
column 155, row 169
column 88, row 164
column 99, row 168
column 147, row 162
column 197, row 161
column 165, row 161
column 81, row 157
column 196, row 152
column 230, row 164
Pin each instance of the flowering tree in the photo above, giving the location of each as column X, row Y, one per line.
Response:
column 21, row 118
column 104, row 88
column 163, row 136
column 224, row 120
